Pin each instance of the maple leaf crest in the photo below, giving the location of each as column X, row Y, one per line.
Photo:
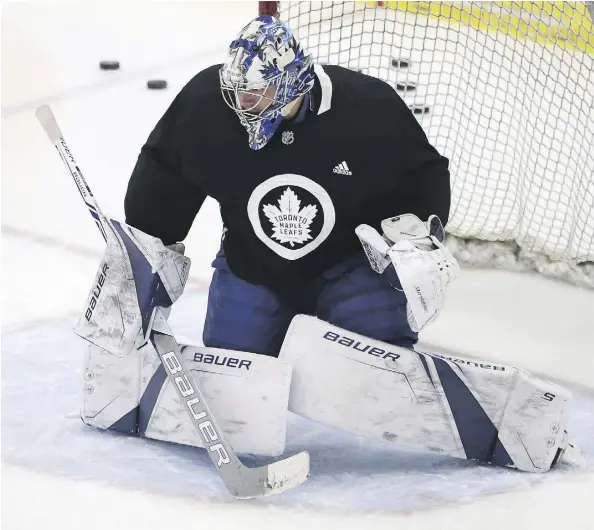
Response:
column 290, row 223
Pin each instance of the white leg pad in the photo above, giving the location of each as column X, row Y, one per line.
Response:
column 111, row 386
column 463, row 408
column 248, row 393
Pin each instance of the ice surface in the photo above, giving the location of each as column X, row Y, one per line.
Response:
column 42, row 430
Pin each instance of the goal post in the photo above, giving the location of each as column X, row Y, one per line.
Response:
column 505, row 90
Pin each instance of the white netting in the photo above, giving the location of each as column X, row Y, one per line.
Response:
column 505, row 90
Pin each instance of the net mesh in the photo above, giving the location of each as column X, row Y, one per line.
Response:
column 505, row 90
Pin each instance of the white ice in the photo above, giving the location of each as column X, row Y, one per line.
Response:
column 57, row 473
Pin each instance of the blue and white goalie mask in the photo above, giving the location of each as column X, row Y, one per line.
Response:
column 265, row 76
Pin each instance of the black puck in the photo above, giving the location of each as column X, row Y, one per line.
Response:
column 407, row 86
column 419, row 109
column 109, row 65
column 156, row 84
column 400, row 63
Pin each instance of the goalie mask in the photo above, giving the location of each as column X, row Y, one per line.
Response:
column 265, row 76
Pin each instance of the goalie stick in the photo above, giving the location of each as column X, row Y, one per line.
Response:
column 241, row 481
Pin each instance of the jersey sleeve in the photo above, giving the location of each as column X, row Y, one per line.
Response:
column 425, row 175
column 160, row 199
column 418, row 176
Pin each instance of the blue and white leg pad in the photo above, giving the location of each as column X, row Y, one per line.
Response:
column 248, row 394
column 465, row 408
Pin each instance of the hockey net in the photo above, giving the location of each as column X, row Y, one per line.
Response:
column 505, row 90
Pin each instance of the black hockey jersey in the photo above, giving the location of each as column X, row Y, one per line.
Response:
column 290, row 209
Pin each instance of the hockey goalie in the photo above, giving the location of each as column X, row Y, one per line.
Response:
column 332, row 262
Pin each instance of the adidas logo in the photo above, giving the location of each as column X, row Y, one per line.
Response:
column 342, row 169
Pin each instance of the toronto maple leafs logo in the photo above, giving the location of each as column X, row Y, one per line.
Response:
column 291, row 214
column 291, row 223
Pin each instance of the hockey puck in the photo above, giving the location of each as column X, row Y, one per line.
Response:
column 109, row 65
column 407, row 86
column 156, row 84
column 400, row 63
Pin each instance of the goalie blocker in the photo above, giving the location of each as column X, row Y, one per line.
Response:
column 452, row 406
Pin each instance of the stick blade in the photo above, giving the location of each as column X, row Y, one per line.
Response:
column 46, row 118
column 288, row 473
column 271, row 479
